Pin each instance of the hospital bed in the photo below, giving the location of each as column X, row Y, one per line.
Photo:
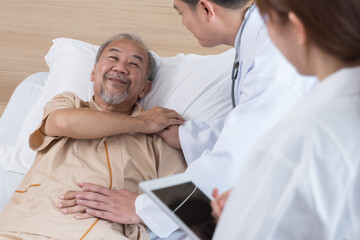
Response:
column 48, row 47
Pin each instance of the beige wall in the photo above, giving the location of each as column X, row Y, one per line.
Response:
column 27, row 28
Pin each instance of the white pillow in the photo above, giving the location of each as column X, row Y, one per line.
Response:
column 195, row 86
column 23, row 98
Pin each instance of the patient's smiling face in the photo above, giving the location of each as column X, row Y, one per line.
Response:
column 120, row 75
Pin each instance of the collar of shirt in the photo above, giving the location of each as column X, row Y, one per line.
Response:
column 251, row 31
column 137, row 108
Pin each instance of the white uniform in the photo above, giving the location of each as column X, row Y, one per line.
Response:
column 266, row 89
column 303, row 179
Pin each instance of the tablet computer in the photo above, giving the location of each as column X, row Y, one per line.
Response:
column 184, row 202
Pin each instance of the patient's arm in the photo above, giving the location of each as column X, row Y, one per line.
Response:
column 170, row 135
column 98, row 201
column 89, row 124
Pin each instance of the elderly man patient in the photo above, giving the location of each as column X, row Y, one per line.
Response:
column 104, row 140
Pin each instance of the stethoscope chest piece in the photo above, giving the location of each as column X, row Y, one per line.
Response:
column 235, row 71
column 234, row 75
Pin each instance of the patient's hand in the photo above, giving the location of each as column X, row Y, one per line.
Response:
column 98, row 201
column 158, row 118
column 170, row 135
column 69, row 205
column 218, row 203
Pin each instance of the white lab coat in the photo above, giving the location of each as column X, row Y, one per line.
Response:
column 302, row 180
column 267, row 88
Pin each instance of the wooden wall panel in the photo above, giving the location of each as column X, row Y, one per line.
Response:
column 27, row 28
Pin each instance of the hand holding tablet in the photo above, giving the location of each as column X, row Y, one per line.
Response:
column 183, row 201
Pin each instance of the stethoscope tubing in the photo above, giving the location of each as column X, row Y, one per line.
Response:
column 235, row 70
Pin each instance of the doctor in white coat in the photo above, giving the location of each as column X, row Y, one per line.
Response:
column 266, row 87
column 302, row 180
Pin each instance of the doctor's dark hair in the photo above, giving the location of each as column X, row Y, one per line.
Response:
column 332, row 25
column 151, row 62
column 231, row 4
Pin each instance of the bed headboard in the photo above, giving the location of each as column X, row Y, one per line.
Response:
column 28, row 27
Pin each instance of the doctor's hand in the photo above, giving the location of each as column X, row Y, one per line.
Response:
column 98, row 201
column 218, row 203
column 158, row 118
column 170, row 135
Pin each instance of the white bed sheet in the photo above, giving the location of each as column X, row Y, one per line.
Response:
column 25, row 95
column 8, row 184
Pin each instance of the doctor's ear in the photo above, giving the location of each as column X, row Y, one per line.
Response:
column 209, row 8
column 298, row 27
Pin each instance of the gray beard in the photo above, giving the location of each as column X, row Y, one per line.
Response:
column 113, row 98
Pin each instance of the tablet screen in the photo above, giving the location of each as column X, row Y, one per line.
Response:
column 191, row 205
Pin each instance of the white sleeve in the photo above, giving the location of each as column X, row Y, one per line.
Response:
column 154, row 217
column 197, row 137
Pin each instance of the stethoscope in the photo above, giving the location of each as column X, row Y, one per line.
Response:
column 235, row 70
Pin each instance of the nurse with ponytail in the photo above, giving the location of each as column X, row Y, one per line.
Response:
column 302, row 180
